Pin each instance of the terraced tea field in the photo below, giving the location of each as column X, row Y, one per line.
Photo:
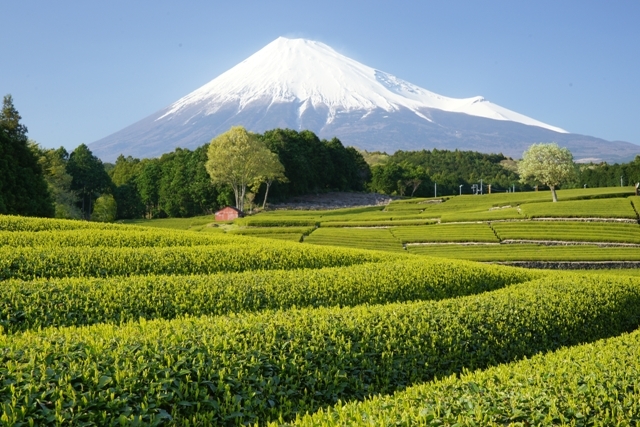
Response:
column 568, row 231
column 602, row 217
column 598, row 208
column 363, row 322
column 446, row 233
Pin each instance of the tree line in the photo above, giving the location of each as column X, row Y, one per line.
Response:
column 605, row 175
column 52, row 182
column 419, row 173
column 426, row 173
column 177, row 184
column 43, row 182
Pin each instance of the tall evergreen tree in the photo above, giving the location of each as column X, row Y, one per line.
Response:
column 23, row 189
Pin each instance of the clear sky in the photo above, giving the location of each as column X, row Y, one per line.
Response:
column 81, row 70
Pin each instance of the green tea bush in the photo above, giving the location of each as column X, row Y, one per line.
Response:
column 568, row 231
column 595, row 208
column 254, row 231
column 485, row 215
column 257, row 254
column 364, row 238
column 528, row 252
column 240, row 369
column 591, row 384
column 85, row 301
column 373, row 223
column 277, row 222
column 132, row 238
column 20, row 223
column 445, row 233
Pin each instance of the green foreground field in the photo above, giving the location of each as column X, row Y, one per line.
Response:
column 189, row 324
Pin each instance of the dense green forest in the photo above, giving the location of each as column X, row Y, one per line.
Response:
column 422, row 173
column 417, row 173
column 178, row 185
column 23, row 190
column 605, row 175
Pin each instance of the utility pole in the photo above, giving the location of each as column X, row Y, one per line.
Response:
column 621, row 182
column 435, row 189
column 461, row 189
column 481, row 189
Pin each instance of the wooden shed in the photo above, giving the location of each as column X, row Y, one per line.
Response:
column 228, row 213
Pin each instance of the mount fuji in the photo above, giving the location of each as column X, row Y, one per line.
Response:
column 302, row 84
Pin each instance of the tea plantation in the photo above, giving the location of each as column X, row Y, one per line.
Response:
column 363, row 316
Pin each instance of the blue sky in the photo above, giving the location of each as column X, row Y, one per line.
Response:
column 79, row 70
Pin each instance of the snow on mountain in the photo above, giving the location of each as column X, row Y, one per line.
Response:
column 302, row 84
column 310, row 72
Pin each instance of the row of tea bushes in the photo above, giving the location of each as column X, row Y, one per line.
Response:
column 568, row 231
column 240, row 369
column 22, row 223
column 261, row 254
column 133, row 238
column 591, row 384
column 277, row 222
column 378, row 223
column 445, row 233
column 528, row 252
column 596, row 208
column 85, row 301
column 256, row 231
column 365, row 238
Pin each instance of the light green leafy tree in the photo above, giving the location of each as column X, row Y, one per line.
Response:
column 239, row 159
column 105, row 209
column 272, row 171
column 546, row 164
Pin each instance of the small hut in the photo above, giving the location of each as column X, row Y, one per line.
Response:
column 228, row 213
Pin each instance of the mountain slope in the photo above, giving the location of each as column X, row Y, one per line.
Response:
column 302, row 84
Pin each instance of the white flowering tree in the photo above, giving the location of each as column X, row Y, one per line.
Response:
column 546, row 164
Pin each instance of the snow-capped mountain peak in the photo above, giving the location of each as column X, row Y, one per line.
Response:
column 313, row 74
column 305, row 85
